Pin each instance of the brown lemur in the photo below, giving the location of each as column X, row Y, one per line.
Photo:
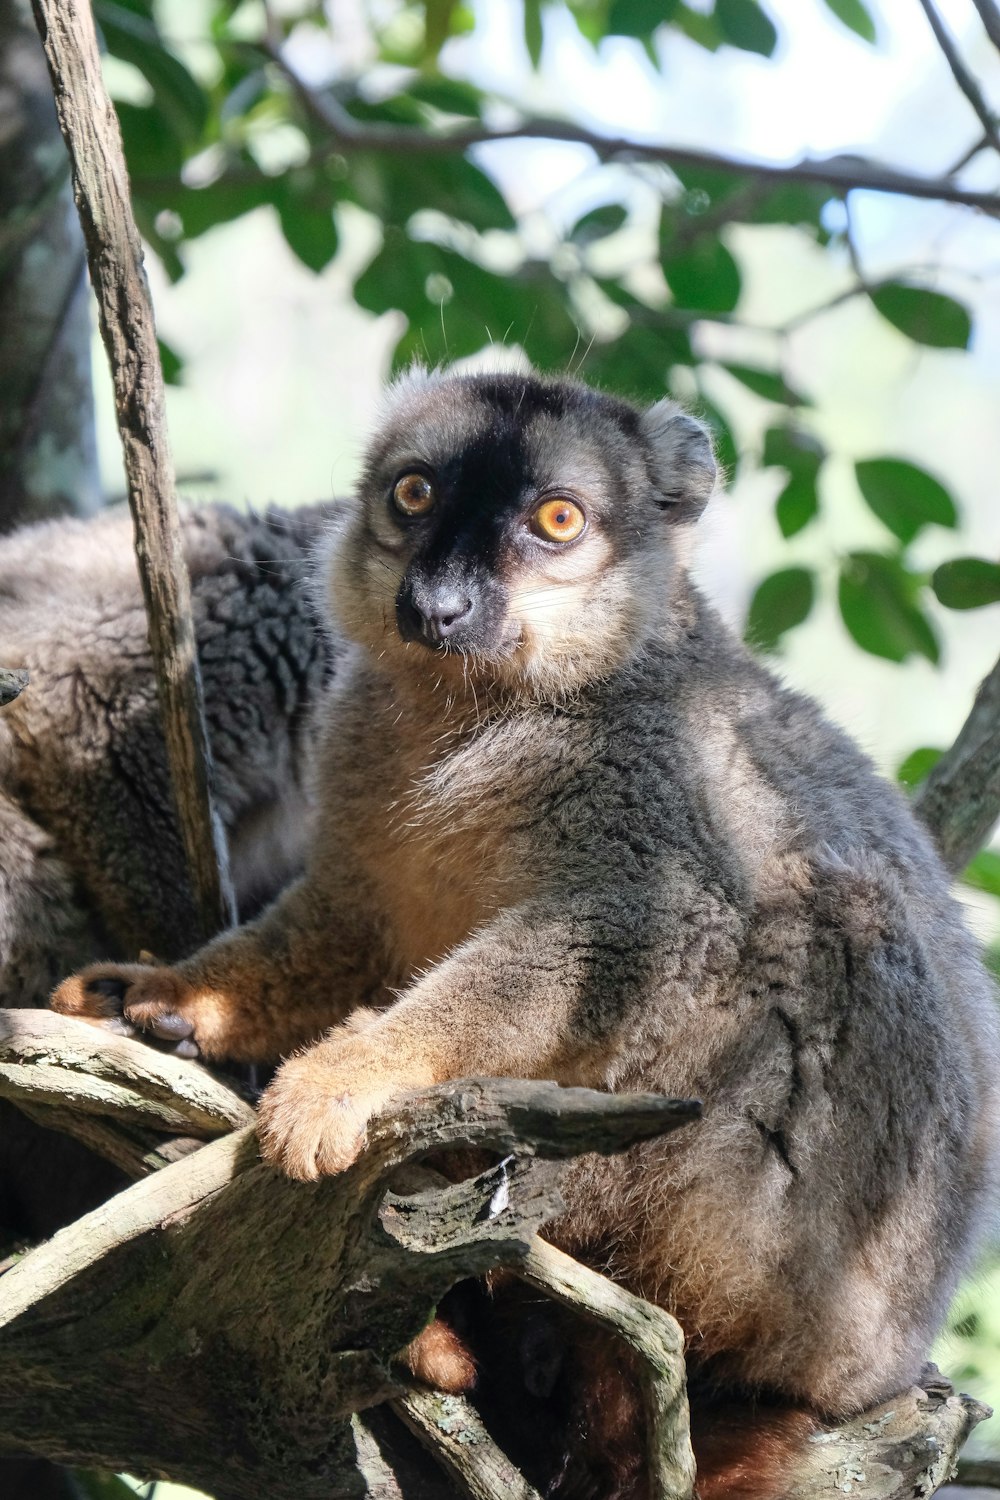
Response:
column 84, row 790
column 568, row 828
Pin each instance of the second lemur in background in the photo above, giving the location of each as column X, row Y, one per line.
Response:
column 91, row 860
column 569, row 828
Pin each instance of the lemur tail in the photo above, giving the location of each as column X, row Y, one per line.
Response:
column 748, row 1452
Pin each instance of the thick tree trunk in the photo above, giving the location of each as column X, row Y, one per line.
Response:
column 48, row 456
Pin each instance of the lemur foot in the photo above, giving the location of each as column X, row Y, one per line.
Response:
column 130, row 999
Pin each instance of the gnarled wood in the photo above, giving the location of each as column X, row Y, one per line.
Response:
column 269, row 1311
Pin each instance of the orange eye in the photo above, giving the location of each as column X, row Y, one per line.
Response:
column 413, row 495
column 558, row 520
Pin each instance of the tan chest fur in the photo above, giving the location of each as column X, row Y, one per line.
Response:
column 438, row 846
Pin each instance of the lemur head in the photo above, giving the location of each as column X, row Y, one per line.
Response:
column 520, row 528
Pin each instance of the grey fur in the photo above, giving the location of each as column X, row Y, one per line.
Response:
column 90, row 858
column 612, row 849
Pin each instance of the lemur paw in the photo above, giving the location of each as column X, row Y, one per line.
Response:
column 313, row 1119
column 130, row 998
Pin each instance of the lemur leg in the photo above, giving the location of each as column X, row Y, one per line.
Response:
column 506, row 1003
column 250, row 995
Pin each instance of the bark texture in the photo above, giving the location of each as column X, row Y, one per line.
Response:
column 48, row 456
column 114, row 252
column 254, row 1322
column 960, row 800
column 249, row 1314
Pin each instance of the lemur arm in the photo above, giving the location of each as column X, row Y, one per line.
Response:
column 252, row 994
column 534, row 995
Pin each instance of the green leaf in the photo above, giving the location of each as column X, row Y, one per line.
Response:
column 305, row 210
column 747, row 25
column 410, row 275
column 702, row 28
column 704, row 278
column 201, row 209
column 789, row 203
column 767, row 383
column 792, row 449
column 854, row 15
column 599, row 223
column 918, row 765
column 967, row 583
column 878, row 602
column 781, row 601
column 797, row 504
column 177, row 95
column 451, row 96
column 171, row 363
column 636, row 364
column 983, row 873
column 396, row 187
column 533, row 36
column 924, row 316
column 638, row 18
column 98, row 1486
column 708, row 183
column 904, row 497
column 152, row 149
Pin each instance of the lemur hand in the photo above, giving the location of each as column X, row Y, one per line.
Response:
column 133, row 998
column 314, row 1116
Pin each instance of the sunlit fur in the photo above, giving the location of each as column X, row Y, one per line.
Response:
column 575, row 613
column 586, row 836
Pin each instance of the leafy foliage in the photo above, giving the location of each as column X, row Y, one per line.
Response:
column 879, row 601
column 781, row 601
column 904, row 497
column 453, row 254
column 926, row 317
column 967, row 583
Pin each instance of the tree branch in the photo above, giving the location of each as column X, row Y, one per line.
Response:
column 989, row 14
column 653, row 1335
column 960, row 800
column 843, row 172
column 116, row 1095
column 114, row 253
column 961, row 74
column 453, row 1433
column 273, row 1310
column 13, row 680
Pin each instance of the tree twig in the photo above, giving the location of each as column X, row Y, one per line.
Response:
column 114, row 252
column 650, row 1333
column 989, row 14
column 961, row 74
column 960, row 800
column 842, row 172
column 454, row 1435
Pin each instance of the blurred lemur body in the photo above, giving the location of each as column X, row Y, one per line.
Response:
column 568, row 828
column 84, row 794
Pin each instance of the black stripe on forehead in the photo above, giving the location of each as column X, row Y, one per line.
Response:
column 524, row 396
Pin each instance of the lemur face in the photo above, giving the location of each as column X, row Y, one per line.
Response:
column 516, row 526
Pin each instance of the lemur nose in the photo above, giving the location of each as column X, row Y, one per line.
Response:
column 442, row 615
column 430, row 613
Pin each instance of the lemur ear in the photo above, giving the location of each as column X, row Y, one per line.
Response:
column 683, row 466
